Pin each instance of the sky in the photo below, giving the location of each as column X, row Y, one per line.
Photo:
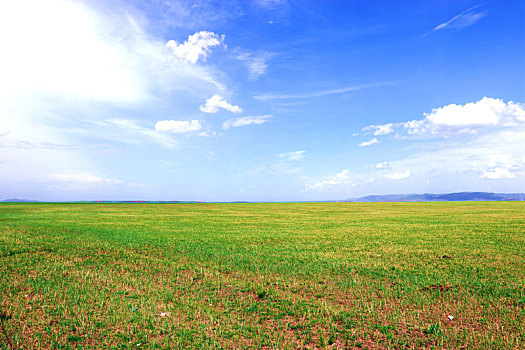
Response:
column 263, row 100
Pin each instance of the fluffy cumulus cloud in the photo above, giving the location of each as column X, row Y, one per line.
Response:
column 368, row 143
column 198, row 46
column 453, row 118
column 455, row 147
column 178, row 126
column 216, row 102
column 487, row 111
column 233, row 123
column 100, row 57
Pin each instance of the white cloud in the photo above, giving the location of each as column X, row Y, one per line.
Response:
column 467, row 152
column 61, row 60
column 216, row 102
column 416, row 126
column 468, row 118
column 502, row 166
column 382, row 165
column 286, row 164
column 460, row 164
column 233, row 123
column 292, row 156
column 384, row 129
column 398, row 176
column 68, row 71
column 60, row 47
column 338, row 179
column 178, row 126
column 117, row 130
column 83, row 178
column 368, row 143
column 209, row 133
column 197, row 46
column 265, row 97
column 462, row 20
column 487, row 111
column 497, row 173
column 257, row 63
column 284, row 168
column 132, row 132
column 257, row 67
column 58, row 50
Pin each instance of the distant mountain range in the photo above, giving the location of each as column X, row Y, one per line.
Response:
column 425, row 197
column 442, row 197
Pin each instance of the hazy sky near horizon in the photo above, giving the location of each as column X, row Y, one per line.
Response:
column 260, row 100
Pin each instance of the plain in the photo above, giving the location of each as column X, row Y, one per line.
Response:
column 269, row 275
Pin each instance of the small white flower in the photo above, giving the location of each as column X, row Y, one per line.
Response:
column 450, row 317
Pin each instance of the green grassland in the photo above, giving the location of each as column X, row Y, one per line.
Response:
column 280, row 275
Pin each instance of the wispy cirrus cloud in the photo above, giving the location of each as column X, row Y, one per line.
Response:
column 292, row 156
column 256, row 62
column 84, row 178
column 257, row 67
column 233, row 123
column 460, row 21
column 398, row 175
column 178, row 126
column 113, row 131
column 84, row 181
column 264, row 97
column 288, row 163
column 368, row 143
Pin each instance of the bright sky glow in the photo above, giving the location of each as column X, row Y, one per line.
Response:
column 260, row 100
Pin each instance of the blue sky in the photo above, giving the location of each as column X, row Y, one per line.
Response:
column 260, row 100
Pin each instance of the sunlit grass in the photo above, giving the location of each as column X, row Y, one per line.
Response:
column 315, row 275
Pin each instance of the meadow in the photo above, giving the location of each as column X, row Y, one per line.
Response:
column 269, row 275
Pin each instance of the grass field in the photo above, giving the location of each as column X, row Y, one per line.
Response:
column 287, row 275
